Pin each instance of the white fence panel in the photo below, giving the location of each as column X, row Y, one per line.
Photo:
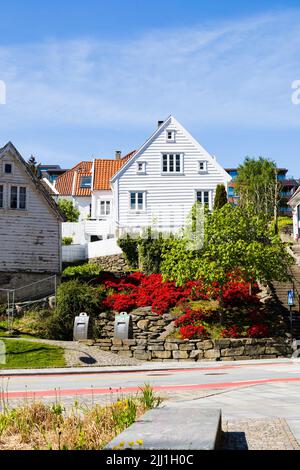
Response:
column 74, row 230
column 103, row 248
column 73, row 253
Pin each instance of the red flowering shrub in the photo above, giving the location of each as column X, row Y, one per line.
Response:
column 192, row 331
column 231, row 332
column 120, row 302
column 189, row 318
column 236, row 294
column 258, row 331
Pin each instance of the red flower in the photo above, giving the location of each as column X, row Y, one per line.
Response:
column 258, row 331
column 191, row 332
column 231, row 332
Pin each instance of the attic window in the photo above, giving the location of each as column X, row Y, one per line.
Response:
column 203, row 166
column 86, row 182
column 141, row 167
column 8, row 168
column 170, row 134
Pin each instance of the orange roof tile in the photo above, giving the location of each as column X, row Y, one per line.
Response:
column 69, row 183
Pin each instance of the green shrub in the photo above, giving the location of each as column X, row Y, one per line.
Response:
column 129, row 246
column 73, row 298
column 150, row 251
column 84, row 272
column 66, row 241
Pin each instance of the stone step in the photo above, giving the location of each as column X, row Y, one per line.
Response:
column 174, row 426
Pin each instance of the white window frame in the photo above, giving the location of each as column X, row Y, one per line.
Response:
column 106, row 202
column 204, row 163
column 12, row 168
column 18, row 186
column 172, row 172
column 136, row 209
column 172, row 139
column 143, row 170
column 210, row 196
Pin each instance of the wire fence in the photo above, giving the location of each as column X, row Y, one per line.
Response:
column 14, row 300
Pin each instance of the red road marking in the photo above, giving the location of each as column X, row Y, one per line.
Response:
column 105, row 391
column 187, row 369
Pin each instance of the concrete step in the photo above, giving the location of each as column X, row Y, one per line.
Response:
column 174, row 426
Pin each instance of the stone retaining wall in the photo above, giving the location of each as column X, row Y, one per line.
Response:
column 151, row 342
column 172, row 349
column 113, row 263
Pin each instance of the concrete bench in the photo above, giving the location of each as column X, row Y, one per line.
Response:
column 170, row 427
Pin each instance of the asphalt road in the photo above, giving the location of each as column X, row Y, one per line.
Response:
column 185, row 377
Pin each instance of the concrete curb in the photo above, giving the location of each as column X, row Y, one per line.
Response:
column 173, row 428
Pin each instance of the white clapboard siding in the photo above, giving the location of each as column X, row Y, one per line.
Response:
column 30, row 240
column 169, row 198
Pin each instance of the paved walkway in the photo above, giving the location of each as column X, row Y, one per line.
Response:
column 80, row 355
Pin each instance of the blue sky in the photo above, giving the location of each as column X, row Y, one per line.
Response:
column 90, row 77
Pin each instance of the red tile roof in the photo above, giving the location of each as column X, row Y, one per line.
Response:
column 68, row 184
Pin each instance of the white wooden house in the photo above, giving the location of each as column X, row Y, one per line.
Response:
column 160, row 183
column 30, row 224
column 154, row 186
column 294, row 203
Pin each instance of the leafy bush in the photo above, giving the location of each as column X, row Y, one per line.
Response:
column 84, row 272
column 66, row 241
column 193, row 332
column 149, row 250
column 129, row 246
column 69, row 211
column 73, row 297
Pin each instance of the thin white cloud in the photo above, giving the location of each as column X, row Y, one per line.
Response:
column 224, row 74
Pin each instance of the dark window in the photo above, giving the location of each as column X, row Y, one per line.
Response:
column 86, row 182
column 172, row 163
column 8, row 168
column 14, row 197
column 1, row 196
column 22, row 198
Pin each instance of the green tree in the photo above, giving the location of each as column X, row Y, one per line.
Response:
column 220, row 197
column 70, row 212
column 33, row 165
column 258, row 186
column 235, row 238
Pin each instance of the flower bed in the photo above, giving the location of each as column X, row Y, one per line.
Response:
column 237, row 312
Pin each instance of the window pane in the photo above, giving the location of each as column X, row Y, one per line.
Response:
column 8, row 168
column 199, row 196
column 22, row 198
column 102, row 208
column 206, row 197
column 140, row 201
column 13, row 197
column 1, row 196
column 171, row 162
column 86, row 182
column 178, row 166
column 107, row 207
column 132, row 200
column 165, row 163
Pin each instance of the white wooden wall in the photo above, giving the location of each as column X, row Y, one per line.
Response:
column 169, row 198
column 29, row 240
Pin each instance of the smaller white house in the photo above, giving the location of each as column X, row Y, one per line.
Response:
column 294, row 202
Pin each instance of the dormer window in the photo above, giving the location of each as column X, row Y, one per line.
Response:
column 86, row 182
column 141, row 168
column 203, row 166
column 171, row 136
column 8, row 168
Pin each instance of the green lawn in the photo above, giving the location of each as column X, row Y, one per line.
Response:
column 26, row 355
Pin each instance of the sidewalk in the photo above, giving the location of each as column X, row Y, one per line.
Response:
column 145, row 366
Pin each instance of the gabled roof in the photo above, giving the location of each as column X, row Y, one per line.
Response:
column 160, row 129
column 68, row 184
column 101, row 170
column 104, row 170
column 9, row 147
column 294, row 196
